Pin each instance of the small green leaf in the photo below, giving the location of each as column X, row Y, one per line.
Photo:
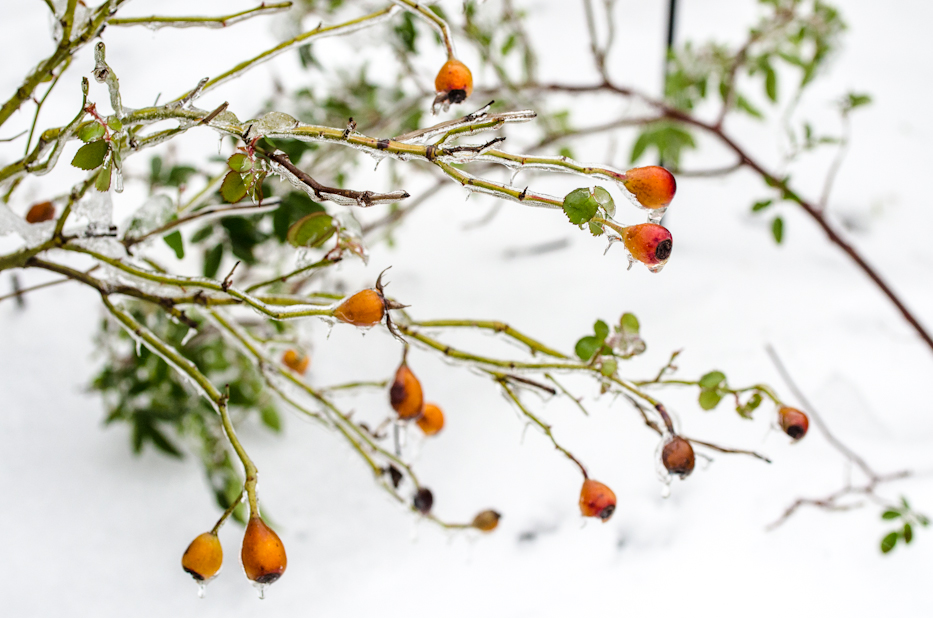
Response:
column 777, row 229
column 601, row 329
column 853, row 101
column 91, row 155
column 580, row 206
column 709, row 399
column 745, row 105
column 905, row 503
column 771, row 84
column 923, row 520
column 233, row 189
column 587, row 347
column 888, row 542
column 176, row 243
column 761, row 205
column 605, row 201
column 908, row 533
column 890, row 515
column 90, row 132
column 712, row 379
column 270, row 418
column 115, row 124
column 608, row 367
column 596, row 229
column 202, row 234
column 102, row 182
column 212, row 258
column 239, row 162
column 629, row 324
column 311, row 230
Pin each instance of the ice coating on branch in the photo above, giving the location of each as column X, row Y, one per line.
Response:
column 155, row 212
column 97, row 209
column 33, row 233
column 471, row 124
column 272, row 122
column 342, row 200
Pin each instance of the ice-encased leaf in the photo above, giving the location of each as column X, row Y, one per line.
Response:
column 312, row 230
column 91, row 155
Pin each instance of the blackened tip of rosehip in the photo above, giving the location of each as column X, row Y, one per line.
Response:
column 268, row 578
column 194, row 574
column 424, row 500
column 796, row 431
column 607, row 512
column 663, row 250
column 457, row 96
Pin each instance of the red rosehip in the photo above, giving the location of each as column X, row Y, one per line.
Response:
column 43, row 211
column 794, row 422
column 454, row 80
column 677, row 457
column 203, row 558
column 597, row 500
column 652, row 186
column 486, row 521
column 365, row 308
column 406, row 396
column 431, row 420
column 648, row 243
column 296, row 361
column 263, row 553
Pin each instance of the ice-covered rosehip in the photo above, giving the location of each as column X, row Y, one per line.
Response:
column 296, row 361
column 43, row 211
column 203, row 558
column 648, row 243
column 423, row 501
column 677, row 457
column 794, row 422
column 597, row 500
column 486, row 521
column 263, row 553
column 652, row 186
column 454, row 80
column 365, row 308
column 406, row 396
column 431, row 420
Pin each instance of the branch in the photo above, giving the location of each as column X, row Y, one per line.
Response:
column 157, row 21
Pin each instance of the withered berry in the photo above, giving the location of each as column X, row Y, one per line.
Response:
column 677, row 457
column 652, row 186
column 648, row 243
column 263, row 553
column 454, row 80
column 431, row 420
column 365, row 308
column 405, row 395
column 794, row 422
column 597, row 500
column 43, row 211
column 423, row 501
column 203, row 558
column 296, row 361
column 486, row 521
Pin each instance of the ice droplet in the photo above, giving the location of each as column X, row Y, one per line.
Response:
column 655, row 216
column 261, row 589
column 273, row 122
column 201, row 590
column 655, row 268
column 97, row 208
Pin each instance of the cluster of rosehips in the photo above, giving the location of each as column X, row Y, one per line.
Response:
column 262, row 554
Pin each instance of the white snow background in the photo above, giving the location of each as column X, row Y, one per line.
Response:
column 86, row 528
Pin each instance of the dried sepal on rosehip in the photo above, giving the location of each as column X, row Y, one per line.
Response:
column 793, row 422
column 423, row 501
column 649, row 243
column 454, row 83
column 263, row 553
column 296, row 361
column 677, row 457
column 405, row 395
column 431, row 420
column 653, row 186
column 38, row 213
column 487, row 521
column 597, row 500
column 204, row 557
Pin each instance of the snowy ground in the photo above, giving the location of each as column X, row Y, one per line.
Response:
column 89, row 528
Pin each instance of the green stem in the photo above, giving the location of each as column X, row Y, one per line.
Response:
column 434, row 20
column 499, row 327
column 227, row 513
column 221, row 21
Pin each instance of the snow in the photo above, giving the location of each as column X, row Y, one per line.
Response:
column 88, row 526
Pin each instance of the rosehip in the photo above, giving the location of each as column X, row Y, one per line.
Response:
column 455, row 80
column 486, row 521
column 296, row 361
column 263, row 554
column 648, row 243
column 405, row 395
column 423, row 501
column 794, row 422
column 203, row 557
column 597, row 500
column 364, row 308
column 677, row 457
column 431, row 420
column 652, row 186
column 43, row 211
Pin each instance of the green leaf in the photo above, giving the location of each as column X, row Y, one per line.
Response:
column 580, row 206
column 601, row 329
column 669, row 139
column 777, row 229
column 270, row 418
column 771, row 83
column 91, row 155
column 312, row 230
column 905, row 503
column 233, row 189
column 608, row 367
column 212, row 258
column 605, row 201
column 202, row 234
column 761, row 205
column 176, row 243
column 854, row 100
column 709, row 399
column 923, row 520
column 587, row 347
column 240, row 162
column 908, row 533
column 115, row 124
column 890, row 515
column 596, row 229
column 712, row 379
column 745, row 105
column 91, row 131
column 629, row 324
column 102, row 182
column 888, row 542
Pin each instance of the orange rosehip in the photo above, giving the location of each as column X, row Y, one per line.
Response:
column 648, row 243
column 486, row 521
column 677, row 457
column 296, row 361
column 203, row 557
column 43, row 211
column 597, row 500
column 365, row 308
column 652, row 186
column 455, row 80
column 423, row 501
column 263, row 553
column 794, row 422
column 406, row 396
column 431, row 420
